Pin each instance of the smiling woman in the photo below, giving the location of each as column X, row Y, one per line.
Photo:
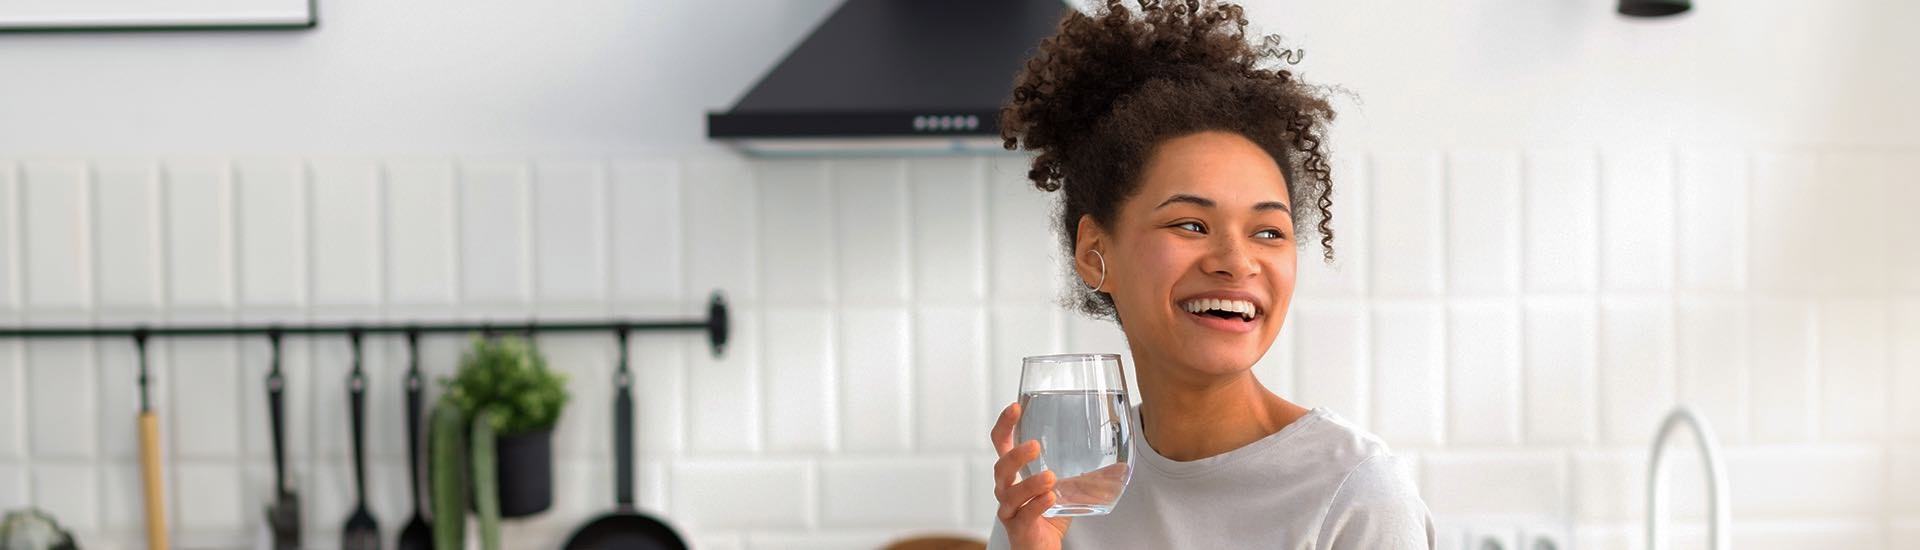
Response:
column 1182, row 154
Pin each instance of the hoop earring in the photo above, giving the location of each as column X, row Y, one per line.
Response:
column 1103, row 271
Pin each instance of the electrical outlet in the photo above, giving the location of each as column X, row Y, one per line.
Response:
column 1493, row 539
column 1543, row 538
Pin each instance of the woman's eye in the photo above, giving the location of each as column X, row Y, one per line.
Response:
column 1192, row 226
column 1270, row 234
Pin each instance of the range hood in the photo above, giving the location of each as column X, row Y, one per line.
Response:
column 892, row 77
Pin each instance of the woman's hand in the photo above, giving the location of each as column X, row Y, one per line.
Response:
column 1022, row 503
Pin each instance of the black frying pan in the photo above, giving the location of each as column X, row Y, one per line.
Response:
column 624, row 527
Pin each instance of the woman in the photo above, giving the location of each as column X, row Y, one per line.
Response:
column 1184, row 160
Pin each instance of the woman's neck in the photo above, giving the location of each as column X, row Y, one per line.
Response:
column 1193, row 416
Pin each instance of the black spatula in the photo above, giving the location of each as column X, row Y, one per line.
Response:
column 361, row 533
column 417, row 535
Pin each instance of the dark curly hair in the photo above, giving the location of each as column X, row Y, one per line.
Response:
column 1108, row 88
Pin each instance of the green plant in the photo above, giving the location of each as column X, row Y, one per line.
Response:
column 509, row 376
column 486, row 491
column 448, row 439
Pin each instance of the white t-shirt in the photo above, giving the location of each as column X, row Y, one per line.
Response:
column 1318, row 483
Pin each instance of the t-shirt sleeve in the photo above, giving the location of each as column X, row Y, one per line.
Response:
column 1378, row 506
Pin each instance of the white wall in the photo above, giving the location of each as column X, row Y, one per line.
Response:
column 1554, row 225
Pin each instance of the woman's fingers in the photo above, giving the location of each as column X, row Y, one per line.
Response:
column 1019, row 494
column 1005, row 469
column 1002, row 434
column 1033, row 510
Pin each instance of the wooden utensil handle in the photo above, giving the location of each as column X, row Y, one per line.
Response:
column 150, row 480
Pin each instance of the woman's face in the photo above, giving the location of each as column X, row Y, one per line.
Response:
column 1201, row 259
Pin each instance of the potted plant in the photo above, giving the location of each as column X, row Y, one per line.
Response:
column 507, row 379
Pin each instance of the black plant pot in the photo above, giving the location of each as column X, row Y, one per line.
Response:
column 525, row 473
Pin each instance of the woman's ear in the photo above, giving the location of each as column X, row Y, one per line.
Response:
column 1089, row 254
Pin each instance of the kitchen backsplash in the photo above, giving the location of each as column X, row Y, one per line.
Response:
column 1514, row 320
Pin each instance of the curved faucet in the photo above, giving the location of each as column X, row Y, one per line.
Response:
column 1719, row 523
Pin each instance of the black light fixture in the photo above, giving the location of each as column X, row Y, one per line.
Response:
column 1654, row 8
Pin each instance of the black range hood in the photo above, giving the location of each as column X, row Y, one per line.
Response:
column 892, row 76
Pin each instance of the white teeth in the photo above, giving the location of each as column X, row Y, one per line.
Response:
column 1203, row 305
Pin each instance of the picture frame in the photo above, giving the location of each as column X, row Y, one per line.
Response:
column 151, row 15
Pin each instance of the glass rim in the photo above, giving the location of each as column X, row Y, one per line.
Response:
column 1069, row 357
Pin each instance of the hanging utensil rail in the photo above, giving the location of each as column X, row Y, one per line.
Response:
column 715, row 325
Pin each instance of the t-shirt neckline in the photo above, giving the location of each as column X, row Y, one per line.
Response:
column 1168, row 467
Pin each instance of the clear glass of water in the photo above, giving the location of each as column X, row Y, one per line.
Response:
column 1076, row 406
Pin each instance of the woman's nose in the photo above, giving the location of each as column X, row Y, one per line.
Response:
column 1229, row 259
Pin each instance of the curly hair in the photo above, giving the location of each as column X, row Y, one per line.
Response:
column 1108, row 88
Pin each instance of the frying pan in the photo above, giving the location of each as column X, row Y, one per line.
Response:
column 150, row 456
column 624, row 527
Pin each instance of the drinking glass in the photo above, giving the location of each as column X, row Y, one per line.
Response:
column 1076, row 406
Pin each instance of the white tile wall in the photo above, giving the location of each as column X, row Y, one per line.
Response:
column 1514, row 320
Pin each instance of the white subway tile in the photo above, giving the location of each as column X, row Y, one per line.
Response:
column 57, row 266
column 1018, row 331
column 1850, row 202
column 1637, row 210
column 271, row 202
column 1798, row 481
column 68, row 491
column 1903, row 259
column 13, row 403
column 1863, row 535
column 915, row 493
column 14, row 490
column 981, row 504
column 1636, row 367
column 718, row 541
column 570, row 216
column 1483, row 368
column 1783, row 205
column 1561, row 243
column 1027, row 260
column 796, row 232
column 1853, row 368
column 1348, row 274
column 1485, row 483
column 586, row 425
column 494, row 233
column 1561, row 361
column 1483, row 223
column 1714, row 364
column 723, row 395
column 1904, row 533
column 949, row 230
column 950, row 349
column 801, row 380
column 10, row 246
column 1609, row 486
column 206, row 496
column 126, row 213
column 421, row 239
column 647, row 260
column 1408, row 234
column 720, row 214
column 199, row 234
column 1712, row 214
column 1903, row 483
column 1905, row 354
column 1409, row 369
column 1333, row 349
column 872, row 231
column 876, row 411
column 119, row 385
column 658, row 363
column 62, row 396
column 739, row 494
column 346, row 234
column 122, row 507
column 1783, row 382
column 204, row 412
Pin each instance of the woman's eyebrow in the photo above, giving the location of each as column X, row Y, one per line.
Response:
column 1204, row 202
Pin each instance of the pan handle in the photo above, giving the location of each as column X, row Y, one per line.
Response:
column 623, row 430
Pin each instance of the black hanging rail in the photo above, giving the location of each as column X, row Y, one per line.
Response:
column 715, row 325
